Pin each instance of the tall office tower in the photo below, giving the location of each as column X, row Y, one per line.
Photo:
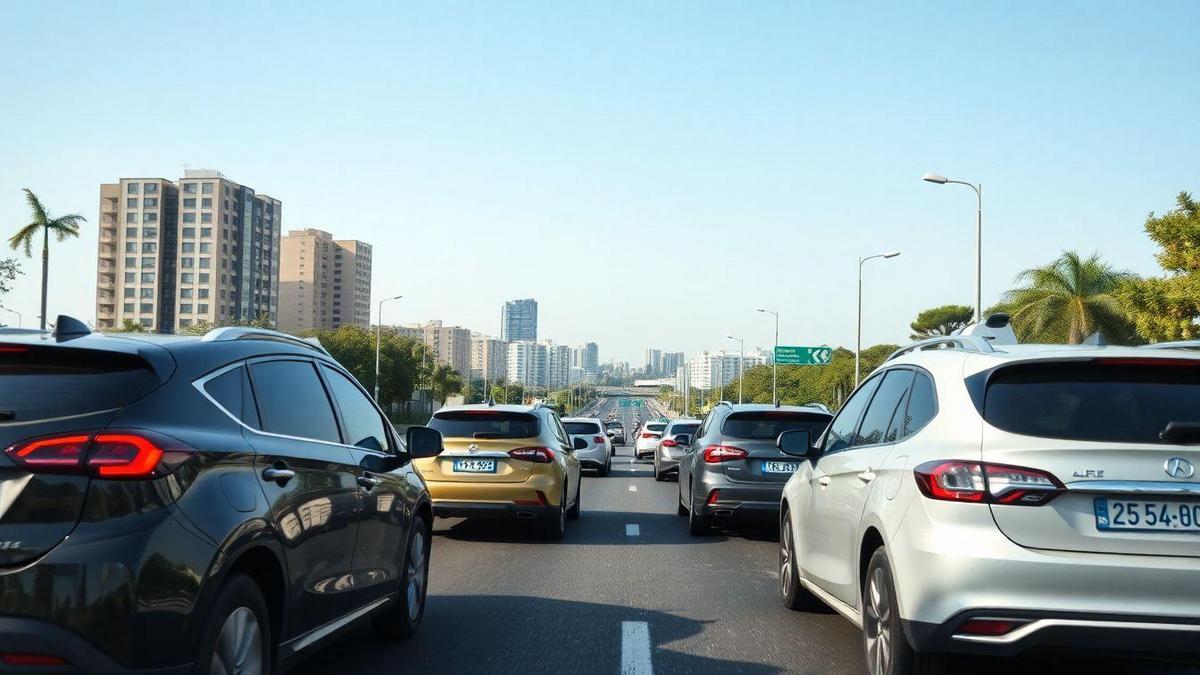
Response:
column 527, row 363
column 323, row 283
column 519, row 321
column 202, row 249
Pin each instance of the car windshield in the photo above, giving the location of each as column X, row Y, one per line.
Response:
column 613, row 425
column 1110, row 400
column 768, row 425
column 485, row 424
column 656, row 426
column 581, row 428
column 684, row 429
column 37, row 384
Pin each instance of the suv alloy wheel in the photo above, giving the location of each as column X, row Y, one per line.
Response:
column 237, row 633
column 401, row 620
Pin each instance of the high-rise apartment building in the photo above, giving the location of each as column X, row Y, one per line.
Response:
column 527, row 363
column 589, row 360
column 489, row 358
column 202, row 249
column 323, row 283
column 450, row 345
column 653, row 361
column 519, row 321
column 671, row 362
column 558, row 365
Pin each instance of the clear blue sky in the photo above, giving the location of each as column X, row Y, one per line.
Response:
column 591, row 154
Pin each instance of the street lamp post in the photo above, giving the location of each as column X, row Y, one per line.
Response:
column 858, row 343
column 378, row 339
column 741, row 363
column 774, row 365
column 942, row 180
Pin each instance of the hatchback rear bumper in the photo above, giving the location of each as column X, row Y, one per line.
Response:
column 494, row 510
column 21, row 635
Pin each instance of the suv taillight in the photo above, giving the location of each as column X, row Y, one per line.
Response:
column 535, row 455
column 984, row 483
column 715, row 454
column 650, row 435
column 106, row 454
column 669, row 443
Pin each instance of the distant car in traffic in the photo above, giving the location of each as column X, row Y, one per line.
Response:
column 669, row 448
column 647, row 438
column 733, row 469
column 505, row 461
column 173, row 503
column 615, row 431
column 599, row 451
column 978, row 497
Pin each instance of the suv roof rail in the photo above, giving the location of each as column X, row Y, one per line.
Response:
column 230, row 333
column 728, row 403
column 968, row 343
column 1178, row 344
column 818, row 405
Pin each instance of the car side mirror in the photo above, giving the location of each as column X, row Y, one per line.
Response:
column 797, row 443
column 683, row 439
column 580, row 444
column 423, row 442
column 610, row 433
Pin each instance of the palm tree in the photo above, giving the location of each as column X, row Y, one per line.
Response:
column 1068, row 300
column 62, row 226
column 445, row 380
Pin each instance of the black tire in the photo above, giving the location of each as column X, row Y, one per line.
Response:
column 573, row 512
column 893, row 655
column 402, row 619
column 659, row 475
column 794, row 595
column 699, row 524
column 239, row 601
column 603, row 471
column 554, row 524
column 680, row 509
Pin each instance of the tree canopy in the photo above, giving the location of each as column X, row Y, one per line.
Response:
column 1068, row 299
column 1168, row 307
column 942, row 320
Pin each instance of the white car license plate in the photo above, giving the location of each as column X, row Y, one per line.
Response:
column 1144, row 516
column 475, row 466
column 780, row 467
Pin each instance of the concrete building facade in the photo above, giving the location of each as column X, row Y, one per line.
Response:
column 324, row 283
column 489, row 358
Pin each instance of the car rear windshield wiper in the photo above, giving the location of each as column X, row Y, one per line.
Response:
column 1181, row 432
column 485, row 435
column 7, row 415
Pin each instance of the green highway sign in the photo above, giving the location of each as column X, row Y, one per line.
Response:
column 630, row 403
column 803, row 356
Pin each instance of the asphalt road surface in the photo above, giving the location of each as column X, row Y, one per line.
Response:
column 627, row 591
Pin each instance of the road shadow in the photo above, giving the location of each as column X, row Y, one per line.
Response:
column 594, row 528
column 517, row 634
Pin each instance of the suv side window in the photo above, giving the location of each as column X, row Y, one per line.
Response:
column 363, row 424
column 922, row 404
column 841, row 431
column 559, row 431
column 888, row 397
column 292, row 400
column 231, row 391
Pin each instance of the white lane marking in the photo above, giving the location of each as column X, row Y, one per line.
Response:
column 633, row 488
column 635, row 648
column 633, row 530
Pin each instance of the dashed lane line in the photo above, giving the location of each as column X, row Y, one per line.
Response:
column 633, row 530
column 635, row 648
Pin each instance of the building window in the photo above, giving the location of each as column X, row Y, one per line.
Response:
column 187, row 278
column 131, row 262
column 189, row 203
column 204, row 277
column 146, row 307
column 185, row 308
column 148, row 323
column 205, row 247
column 130, row 232
column 184, row 323
column 150, row 203
column 189, row 217
column 150, row 217
column 189, row 231
column 131, row 217
column 208, row 188
column 203, row 293
column 149, row 247
column 150, row 188
column 131, row 203
column 189, row 188
column 188, row 247
column 150, row 232
column 147, row 277
column 130, row 292
column 185, row 293
column 206, row 232
column 148, row 262
column 148, row 292
column 187, row 262
column 128, row 307
column 202, row 308
column 206, row 217
column 131, row 277
column 131, row 188
column 205, row 262
column 131, row 247
column 206, row 203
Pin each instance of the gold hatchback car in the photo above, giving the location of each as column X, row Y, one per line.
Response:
column 504, row 461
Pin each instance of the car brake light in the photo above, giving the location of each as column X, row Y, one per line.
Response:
column 981, row 482
column 989, row 627
column 598, row 439
column 669, row 443
column 114, row 455
column 650, row 435
column 713, row 497
column 535, row 455
column 13, row 350
column 31, row 660
column 715, row 454
column 540, row 501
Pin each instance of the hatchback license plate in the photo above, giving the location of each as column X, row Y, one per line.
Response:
column 780, row 467
column 1143, row 516
column 475, row 466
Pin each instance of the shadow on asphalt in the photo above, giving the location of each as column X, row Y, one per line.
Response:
column 517, row 634
column 594, row 528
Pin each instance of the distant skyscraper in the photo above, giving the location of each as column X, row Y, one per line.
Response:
column 589, row 359
column 518, row 322
column 489, row 358
column 654, row 361
column 323, row 283
column 671, row 362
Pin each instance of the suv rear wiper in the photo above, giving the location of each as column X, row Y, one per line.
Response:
column 484, row 435
column 1181, row 432
column 7, row 415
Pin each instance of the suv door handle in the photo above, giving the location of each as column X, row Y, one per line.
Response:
column 277, row 475
column 367, row 482
column 867, row 476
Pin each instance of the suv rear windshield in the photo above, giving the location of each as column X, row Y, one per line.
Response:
column 684, row 429
column 1112, row 400
column 613, row 425
column 485, row 424
column 656, row 426
column 39, row 383
column 766, row 426
column 582, row 428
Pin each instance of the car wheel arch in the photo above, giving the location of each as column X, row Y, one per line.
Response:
column 266, row 566
column 872, row 541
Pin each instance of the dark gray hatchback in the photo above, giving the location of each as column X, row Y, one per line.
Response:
column 732, row 466
column 215, row 504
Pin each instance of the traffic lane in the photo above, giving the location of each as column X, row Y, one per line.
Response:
column 499, row 595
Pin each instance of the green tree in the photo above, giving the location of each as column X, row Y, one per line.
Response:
column 1069, row 299
column 445, row 381
column 399, row 361
column 1168, row 307
column 132, row 326
column 42, row 223
column 942, row 320
column 9, row 269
